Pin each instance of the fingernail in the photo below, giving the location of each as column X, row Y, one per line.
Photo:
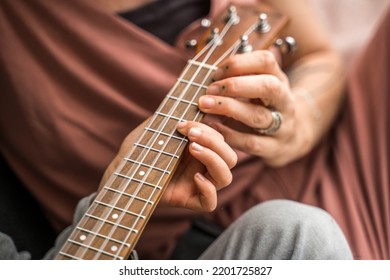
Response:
column 195, row 132
column 213, row 90
column 206, row 102
column 201, row 177
column 197, row 147
column 181, row 124
column 218, row 74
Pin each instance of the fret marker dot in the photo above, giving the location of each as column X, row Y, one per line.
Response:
column 142, row 173
column 161, row 142
column 83, row 237
column 114, row 248
column 115, row 216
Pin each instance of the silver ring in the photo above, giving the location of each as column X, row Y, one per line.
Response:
column 275, row 125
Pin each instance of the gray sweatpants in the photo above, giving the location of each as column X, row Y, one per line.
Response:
column 277, row 229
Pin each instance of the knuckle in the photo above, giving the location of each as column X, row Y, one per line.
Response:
column 231, row 86
column 276, row 161
column 259, row 118
column 253, row 145
column 272, row 83
column 224, row 108
column 284, row 77
column 208, row 205
column 268, row 60
column 273, row 88
column 233, row 64
column 227, row 180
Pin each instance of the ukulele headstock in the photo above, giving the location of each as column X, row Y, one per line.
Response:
column 240, row 29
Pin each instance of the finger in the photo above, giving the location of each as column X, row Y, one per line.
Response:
column 218, row 171
column 257, row 62
column 201, row 197
column 206, row 199
column 252, row 115
column 254, row 144
column 209, row 138
column 265, row 87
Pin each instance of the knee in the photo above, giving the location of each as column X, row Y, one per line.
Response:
column 288, row 214
column 308, row 232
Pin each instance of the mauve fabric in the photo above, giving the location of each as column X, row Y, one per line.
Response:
column 76, row 80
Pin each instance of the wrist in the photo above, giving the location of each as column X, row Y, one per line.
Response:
column 309, row 117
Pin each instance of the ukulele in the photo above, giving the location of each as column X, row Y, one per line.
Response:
column 116, row 218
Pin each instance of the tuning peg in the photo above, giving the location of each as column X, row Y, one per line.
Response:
column 214, row 36
column 205, row 22
column 287, row 45
column 232, row 15
column 263, row 25
column 245, row 47
column 191, row 44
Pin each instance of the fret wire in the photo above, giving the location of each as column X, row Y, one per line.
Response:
column 137, row 180
column 124, row 210
column 169, row 116
column 193, row 83
column 167, row 134
column 103, row 236
column 133, row 196
column 101, row 251
column 108, row 221
column 156, row 150
column 68, row 255
column 204, row 65
column 183, row 100
column 155, row 139
column 148, row 166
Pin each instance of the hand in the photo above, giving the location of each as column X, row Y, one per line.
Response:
column 247, row 88
column 203, row 171
column 205, row 167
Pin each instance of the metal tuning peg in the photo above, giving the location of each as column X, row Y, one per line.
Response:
column 191, row 44
column 263, row 26
column 245, row 47
column 205, row 23
column 286, row 45
column 214, row 36
column 232, row 15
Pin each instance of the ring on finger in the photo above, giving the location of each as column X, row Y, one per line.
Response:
column 274, row 126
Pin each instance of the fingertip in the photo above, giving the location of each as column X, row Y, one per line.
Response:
column 200, row 177
column 218, row 74
column 196, row 147
column 208, row 193
column 182, row 124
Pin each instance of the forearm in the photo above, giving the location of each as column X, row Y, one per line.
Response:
column 317, row 81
